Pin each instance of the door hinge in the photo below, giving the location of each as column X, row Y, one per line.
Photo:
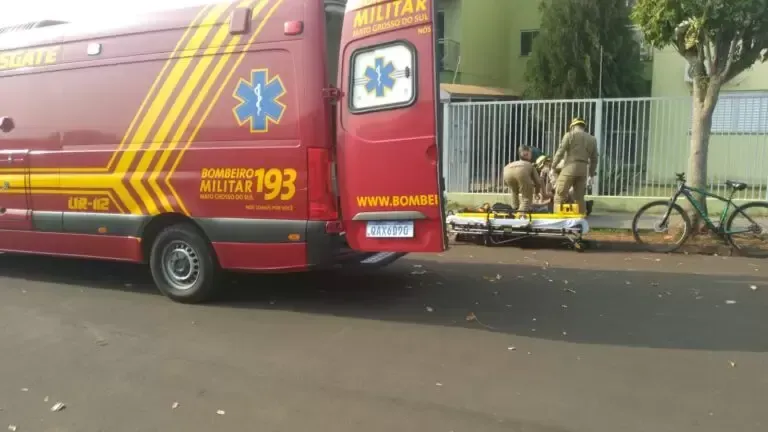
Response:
column 332, row 94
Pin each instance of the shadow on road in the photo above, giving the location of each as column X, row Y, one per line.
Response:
column 626, row 308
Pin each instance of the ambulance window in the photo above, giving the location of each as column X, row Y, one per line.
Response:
column 334, row 19
column 383, row 77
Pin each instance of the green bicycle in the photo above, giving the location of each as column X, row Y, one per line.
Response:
column 735, row 227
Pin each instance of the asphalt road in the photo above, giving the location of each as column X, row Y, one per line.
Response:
column 555, row 342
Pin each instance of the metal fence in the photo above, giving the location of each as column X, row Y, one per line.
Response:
column 642, row 142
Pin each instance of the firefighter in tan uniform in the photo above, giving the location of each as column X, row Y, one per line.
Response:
column 522, row 179
column 579, row 151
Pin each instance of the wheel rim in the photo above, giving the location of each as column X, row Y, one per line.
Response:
column 664, row 234
column 181, row 265
column 749, row 233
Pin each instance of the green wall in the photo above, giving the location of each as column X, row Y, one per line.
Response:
column 489, row 34
column 740, row 156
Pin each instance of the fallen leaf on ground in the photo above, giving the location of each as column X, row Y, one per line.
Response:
column 11, row 428
column 417, row 266
column 511, row 348
column 564, row 306
column 732, row 363
column 565, row 333
column 175, row 405
column 439, row 384
column 627, row 283
column 570, row 291
column 25, row 389
column 418, row 272
column 430, row 309
column 221, row 412
column 471, row 317
column 753, row 287
column 58, row 406
column 498, row 276
column 730, row 302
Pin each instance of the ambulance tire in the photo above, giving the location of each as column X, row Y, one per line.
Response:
column 183, row 264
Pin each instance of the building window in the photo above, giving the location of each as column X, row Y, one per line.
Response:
column 741, row 113
column 383, row 77
column 526, row 41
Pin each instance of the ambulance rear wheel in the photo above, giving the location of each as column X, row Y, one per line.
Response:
column 183, row 265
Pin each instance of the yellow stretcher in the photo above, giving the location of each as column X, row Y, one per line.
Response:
column 499, row 227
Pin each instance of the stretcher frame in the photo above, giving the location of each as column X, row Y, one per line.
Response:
column 489, row 227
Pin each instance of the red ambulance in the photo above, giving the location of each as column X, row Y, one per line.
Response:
column 251, row 135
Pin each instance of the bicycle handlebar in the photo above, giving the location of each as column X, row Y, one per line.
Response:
column 680, row 177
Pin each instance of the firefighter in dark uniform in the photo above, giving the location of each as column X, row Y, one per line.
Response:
column 578, row 149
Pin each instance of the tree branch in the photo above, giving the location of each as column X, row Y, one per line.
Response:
column 732, row 53
column 708, row 60
column 748, row 57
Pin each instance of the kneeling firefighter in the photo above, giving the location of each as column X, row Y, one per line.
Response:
column 523, row 181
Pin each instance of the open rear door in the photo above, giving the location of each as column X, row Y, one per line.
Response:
column 388, row 153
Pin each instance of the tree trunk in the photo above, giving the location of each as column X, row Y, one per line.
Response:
column 705, row 93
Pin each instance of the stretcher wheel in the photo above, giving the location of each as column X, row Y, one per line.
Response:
column 580, row 245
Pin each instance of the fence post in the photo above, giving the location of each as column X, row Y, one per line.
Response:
column 598, row 128
column 447, row 146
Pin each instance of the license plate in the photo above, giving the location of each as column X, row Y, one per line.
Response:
column 395, row 229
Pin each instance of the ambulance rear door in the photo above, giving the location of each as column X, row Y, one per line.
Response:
column 388, row 143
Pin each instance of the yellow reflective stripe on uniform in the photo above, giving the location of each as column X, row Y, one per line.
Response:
column 216, row 97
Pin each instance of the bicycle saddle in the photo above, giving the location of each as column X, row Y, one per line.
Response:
column 739, row 186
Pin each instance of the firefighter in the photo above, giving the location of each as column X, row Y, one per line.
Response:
column 523, row 181
column 578, row 150
column 544, row 168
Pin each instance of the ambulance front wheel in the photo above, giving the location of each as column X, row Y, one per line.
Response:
column 183, row 265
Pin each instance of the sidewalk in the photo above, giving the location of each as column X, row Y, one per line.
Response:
column 610, row 220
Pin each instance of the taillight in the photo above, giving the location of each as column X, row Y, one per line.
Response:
column 322, row 200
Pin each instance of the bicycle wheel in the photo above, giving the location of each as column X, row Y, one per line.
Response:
column 670, row 226
column 747, row 229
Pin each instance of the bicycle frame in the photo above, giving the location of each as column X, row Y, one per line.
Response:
column 687, row 192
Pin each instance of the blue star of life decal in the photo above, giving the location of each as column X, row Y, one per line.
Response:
column 259, row 99
column 379, row 77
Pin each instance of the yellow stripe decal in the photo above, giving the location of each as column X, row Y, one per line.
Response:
column 175, row 112
column 196, row 23
column 114, row 180
column 217, row 95
column 155, row 111
column 171, row 58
